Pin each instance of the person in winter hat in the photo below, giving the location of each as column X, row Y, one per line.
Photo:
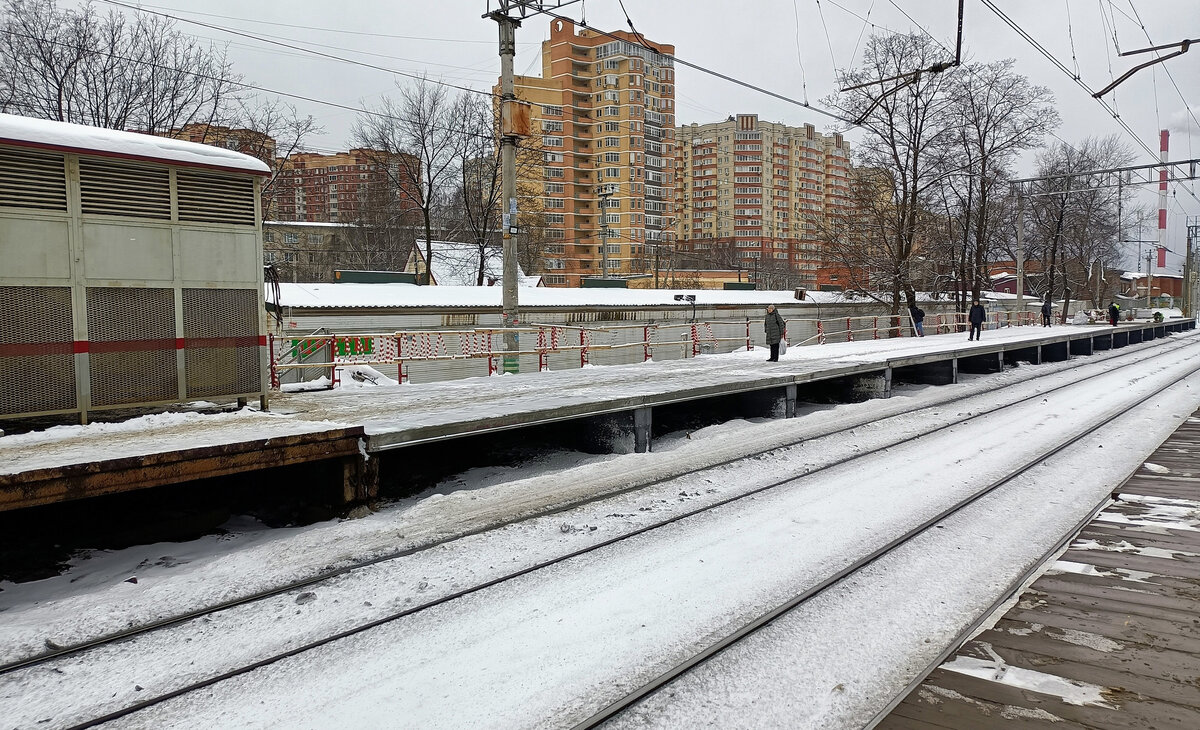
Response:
column 918, row 316
column 1047, row 308
column 976, row 317
column 773, row 325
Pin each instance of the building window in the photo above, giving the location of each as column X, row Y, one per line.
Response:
column 552, row 111
column 268, row 237
column 552, row 141
column 291, row 238
column 612, row 172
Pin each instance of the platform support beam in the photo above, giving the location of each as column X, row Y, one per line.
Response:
column 642, row 422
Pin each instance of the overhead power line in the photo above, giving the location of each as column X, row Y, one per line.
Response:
column 295, row 47
column 710, row 72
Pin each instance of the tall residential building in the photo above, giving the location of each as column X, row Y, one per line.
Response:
column 754, row 195
column 344, row 187
column 604, row 108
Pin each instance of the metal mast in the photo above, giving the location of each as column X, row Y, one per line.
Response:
column 508, row 16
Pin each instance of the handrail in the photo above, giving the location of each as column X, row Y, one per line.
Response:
column 403, row 347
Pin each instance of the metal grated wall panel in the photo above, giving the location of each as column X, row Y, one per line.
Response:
column 112, row 188
column 220, row 329
column 131, row 336
column 215, row 199
column 32, row 180
column 37, row 361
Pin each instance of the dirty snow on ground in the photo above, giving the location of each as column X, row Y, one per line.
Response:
column 545, row 648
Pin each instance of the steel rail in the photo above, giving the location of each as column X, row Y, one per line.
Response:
column 765, row 619
column 670, row 676
column 324, row 576
column 1014, row 586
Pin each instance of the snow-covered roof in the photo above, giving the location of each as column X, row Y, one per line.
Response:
column 1131, row 275
column 410, row 295
column 456, row 264
column 64, row 136
column 308, row 224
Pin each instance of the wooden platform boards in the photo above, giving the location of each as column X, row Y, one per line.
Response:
column 1108, row 637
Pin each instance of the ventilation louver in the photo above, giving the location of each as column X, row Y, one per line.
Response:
column 112, row 188
column 215, row 199
column 32, row 180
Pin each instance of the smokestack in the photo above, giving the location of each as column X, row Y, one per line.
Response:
column 1163, row 145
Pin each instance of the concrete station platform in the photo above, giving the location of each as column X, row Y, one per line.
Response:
column 1107, row 638
column 619, row 402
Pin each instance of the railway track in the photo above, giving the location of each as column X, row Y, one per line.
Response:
column 192, row 686
column 664, row 679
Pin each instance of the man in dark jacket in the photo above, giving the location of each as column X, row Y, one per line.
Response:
column 1047, row 308
column 774, row 326
column 1114, row 313
column 976, row 317
column 918, row 316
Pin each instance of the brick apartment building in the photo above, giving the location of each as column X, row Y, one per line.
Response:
column 342, row 187
column 605, row 110
column 753, row 195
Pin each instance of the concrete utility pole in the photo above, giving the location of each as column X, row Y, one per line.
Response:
column 1149, row 274
column 605, row 193
column 1189, row 292
column 1020, row 251
column 508, row 183
column 514, row 124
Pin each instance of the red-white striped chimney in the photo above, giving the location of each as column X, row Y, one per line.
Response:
column 1163, row 145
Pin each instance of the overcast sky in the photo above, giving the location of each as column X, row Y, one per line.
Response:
column 781, row 45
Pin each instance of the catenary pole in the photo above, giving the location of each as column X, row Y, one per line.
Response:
column 1020, row 251
column 508, row 184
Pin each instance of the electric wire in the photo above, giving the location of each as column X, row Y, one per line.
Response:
column 263, row 39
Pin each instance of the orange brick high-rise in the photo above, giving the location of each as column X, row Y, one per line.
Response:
column 755, row 195
column 605, row 110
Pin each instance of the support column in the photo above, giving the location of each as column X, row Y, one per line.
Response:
column 360, row 478
column 790, row 400
column 642, row 421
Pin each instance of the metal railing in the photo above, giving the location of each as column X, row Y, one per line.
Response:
column 402, row 348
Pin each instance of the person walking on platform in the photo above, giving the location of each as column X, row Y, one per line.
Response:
column 1047, row 308
column 774, row 326
column 1114, row 313
column 918, row 316
column 976, row 317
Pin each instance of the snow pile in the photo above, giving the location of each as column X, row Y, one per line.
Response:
column 355, row 377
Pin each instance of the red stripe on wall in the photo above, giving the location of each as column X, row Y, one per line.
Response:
column 246, row 341
column 30, row 349
column 27, row 349
column 130, row 345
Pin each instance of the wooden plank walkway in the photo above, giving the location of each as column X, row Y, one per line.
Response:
column 1108, row 637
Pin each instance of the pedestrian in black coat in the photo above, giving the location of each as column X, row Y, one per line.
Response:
column 773, row 326
column 1046, row 310
column 918, row 316
column 1114, row 313
column 976, row 317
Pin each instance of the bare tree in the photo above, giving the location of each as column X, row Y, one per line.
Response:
column 1075, row 219
column 114, row 71
column 475, row 204
column 416, row 138
column 276, row 132
column 904, row 151
column 1001, row 115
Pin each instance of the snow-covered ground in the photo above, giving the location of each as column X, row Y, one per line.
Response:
column 541, row 650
